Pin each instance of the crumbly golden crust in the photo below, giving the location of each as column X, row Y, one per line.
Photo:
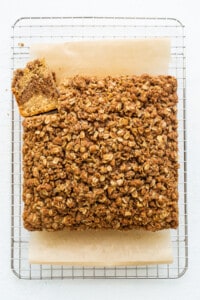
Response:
column 107, row 159
column 34, row 88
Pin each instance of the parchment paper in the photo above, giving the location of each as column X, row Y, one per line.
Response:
column 100, row 248
column 106, row 57
column 105, row 248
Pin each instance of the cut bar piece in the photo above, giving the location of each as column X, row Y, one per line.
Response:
column 107, row 160
column 34, row 88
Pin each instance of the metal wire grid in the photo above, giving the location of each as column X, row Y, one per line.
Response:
column 27, row 31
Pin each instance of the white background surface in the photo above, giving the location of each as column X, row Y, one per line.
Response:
column 187, row 287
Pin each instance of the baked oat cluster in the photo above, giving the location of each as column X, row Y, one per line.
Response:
column 107, row 159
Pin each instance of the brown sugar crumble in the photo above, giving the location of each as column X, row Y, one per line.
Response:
column 21, row 45
column 107, row 159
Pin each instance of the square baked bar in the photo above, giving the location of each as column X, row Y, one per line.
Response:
column 107, row 160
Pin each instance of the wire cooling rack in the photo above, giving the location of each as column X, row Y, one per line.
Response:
column 27, row 31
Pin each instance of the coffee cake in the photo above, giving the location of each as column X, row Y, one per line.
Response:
column 107, row 159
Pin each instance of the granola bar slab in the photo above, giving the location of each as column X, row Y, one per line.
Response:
column 107, row 160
